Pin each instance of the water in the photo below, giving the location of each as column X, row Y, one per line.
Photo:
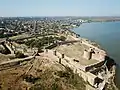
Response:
column 107, row 35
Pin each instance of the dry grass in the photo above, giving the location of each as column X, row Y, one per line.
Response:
column 3, row 58
column 40, row 74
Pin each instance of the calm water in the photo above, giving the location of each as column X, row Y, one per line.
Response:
column 107, row 34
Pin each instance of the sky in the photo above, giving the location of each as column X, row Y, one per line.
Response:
column 14, row 8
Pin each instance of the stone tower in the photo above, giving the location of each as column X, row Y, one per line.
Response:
column 87, row 54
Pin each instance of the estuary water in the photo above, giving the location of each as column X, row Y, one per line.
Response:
column 107, row 35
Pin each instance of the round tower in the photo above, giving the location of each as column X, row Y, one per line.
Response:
column 87, row 54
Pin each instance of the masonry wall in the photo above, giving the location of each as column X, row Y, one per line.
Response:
column 77, row 68
column 98, row 53
column 95, row 65
column 98, row 56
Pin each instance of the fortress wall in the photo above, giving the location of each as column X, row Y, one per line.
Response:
column 94, row 53
column 84, row 68
column 96, row 48
column 69, row 60
column 98, row 64
column 14, row 62
column 83, row 75
column 98, row 55
column 91, row 78
column 95, row 56
column 102, row 57
column 77, row 68
column 3, row 66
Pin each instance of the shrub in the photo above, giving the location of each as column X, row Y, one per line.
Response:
column 63, row 74
column 19, row 54
column 62, row 38
column 51, row 46
column 29, row 42
column 30, row 78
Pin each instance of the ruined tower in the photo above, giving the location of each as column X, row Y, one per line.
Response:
column 87, row 54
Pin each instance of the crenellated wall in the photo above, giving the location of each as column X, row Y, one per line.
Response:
column 97, row 53
column 14, row 62
column 95, row 65
column 94, row 54
column 77, row 68
column 98, row 56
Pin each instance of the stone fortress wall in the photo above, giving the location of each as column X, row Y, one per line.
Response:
column 83, row 71
column 100, row 67
column 97, row 81
column 77, row 68
column 94, row 54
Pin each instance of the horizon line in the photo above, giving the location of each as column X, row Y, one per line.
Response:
column 57, row 16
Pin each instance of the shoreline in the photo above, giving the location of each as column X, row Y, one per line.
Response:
column 112, row 81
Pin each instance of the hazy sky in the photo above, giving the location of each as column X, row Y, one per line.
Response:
column 59, row 8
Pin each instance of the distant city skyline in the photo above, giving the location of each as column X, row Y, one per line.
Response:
column 24, row 8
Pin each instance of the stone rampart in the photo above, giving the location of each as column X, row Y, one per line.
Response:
column 95, row 65
column 98, row 53
column 14, row 62
column 77, row 68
